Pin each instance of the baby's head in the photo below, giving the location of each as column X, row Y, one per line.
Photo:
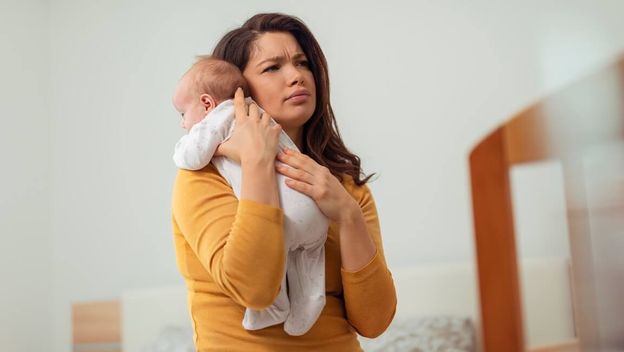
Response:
column 205, row 85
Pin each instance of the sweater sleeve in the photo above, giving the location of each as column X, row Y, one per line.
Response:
column 369, row 293
column 239, row 243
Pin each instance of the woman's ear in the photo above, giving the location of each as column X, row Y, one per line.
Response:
column 207, row 101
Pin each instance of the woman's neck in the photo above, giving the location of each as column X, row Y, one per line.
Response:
column 296, row 135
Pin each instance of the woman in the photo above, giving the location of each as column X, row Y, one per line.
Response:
column 230, row 251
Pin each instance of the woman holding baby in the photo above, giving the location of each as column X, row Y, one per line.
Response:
column 229, row 249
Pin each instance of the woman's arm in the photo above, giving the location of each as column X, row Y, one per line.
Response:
column 254, row 142
column 356, row 245
column 369, row 293
column 308, row 177
column 240, row 244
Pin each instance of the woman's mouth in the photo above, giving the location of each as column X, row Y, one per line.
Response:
column 299, row 96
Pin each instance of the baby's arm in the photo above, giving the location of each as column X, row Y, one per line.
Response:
column 195, row 150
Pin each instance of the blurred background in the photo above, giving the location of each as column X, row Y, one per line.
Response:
column 88, row 129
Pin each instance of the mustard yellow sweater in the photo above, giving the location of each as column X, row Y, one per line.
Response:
column 230, row 254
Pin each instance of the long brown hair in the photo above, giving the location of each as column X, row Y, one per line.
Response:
column 321, row 138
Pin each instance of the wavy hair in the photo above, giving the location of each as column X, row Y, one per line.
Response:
column 321, row 138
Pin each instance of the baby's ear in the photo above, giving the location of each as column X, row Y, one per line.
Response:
column 207, row 101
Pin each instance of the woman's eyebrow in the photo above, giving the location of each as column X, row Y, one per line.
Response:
column 279, row 58
column 270, row 59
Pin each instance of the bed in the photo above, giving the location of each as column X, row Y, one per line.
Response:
column 437, row 311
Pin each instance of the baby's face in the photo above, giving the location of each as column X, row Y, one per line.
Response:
column 188, row 104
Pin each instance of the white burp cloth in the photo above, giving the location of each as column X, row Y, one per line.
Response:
column 305, row 226
column 306, row 287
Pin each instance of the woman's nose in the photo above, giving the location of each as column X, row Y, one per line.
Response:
column 296, row 76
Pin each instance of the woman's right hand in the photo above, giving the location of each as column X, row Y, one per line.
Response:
column 254, row 139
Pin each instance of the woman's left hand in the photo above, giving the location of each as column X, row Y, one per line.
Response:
column 308, row 177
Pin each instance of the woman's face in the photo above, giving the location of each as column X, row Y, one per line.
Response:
column 280, row 80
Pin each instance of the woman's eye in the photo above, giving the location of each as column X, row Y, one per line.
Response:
column 304, row 63
column 271, row 68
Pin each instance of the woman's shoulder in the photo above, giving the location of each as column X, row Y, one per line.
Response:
column 193, row 190
column 207, row 175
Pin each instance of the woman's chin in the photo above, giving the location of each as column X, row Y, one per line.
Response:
column 294, row 119
column 292, row 124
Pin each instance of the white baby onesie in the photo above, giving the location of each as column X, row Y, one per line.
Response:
column 299, row 305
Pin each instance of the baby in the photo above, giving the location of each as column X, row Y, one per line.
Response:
column 204, row 99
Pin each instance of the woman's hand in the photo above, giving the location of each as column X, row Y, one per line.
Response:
column 308, row 177
column 254, row 139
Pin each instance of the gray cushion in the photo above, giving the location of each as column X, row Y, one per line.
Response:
column 424, row 334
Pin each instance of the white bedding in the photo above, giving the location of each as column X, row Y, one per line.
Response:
column 425, row 334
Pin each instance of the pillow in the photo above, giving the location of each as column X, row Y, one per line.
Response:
column 424, row 334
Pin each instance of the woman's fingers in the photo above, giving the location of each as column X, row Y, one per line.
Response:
column 295, row 174
column 227, row 150
column 302, row 187
column 240, row 107
column 265, row 119
column 254, row 113
column 297, row 160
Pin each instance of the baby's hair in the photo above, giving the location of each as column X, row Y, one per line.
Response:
column 216, row 77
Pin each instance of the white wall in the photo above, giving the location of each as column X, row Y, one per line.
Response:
column 25, row 270
column 414, row 85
